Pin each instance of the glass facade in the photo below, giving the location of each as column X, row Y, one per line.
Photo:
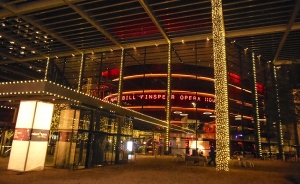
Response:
column 83, row 136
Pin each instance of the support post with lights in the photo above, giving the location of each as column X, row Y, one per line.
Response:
column 47, row 68
column 168, row 106
column 81, row 72
column 256, row 113
column 221, row 87
column 120, row 120
column 121, row 78
column 100, row 76
column 279, row 124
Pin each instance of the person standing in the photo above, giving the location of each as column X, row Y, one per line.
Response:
column 212, row 155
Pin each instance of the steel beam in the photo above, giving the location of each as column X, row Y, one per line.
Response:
column 16, row 72
column 288, row 29
column 32, row 22
column 93, row 22
column 33, row 7
column 231, row 34
column 154, row 20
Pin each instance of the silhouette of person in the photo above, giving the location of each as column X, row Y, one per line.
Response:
column 212, row 155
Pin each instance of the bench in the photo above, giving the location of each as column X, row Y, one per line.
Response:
column 244, row 162
column 196, row 160
column 179, row 157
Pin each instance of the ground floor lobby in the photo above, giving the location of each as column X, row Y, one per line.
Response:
column 146, row 169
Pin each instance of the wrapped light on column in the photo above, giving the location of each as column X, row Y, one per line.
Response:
column 47, row 66
column 278, row 109
column 82, row 63
column 256, row 107
column 121, row 78
column 221, row 89
column 168, row 110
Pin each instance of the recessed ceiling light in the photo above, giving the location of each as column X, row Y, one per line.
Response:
column 207, row 113
column 183, row 114
column 177, row 112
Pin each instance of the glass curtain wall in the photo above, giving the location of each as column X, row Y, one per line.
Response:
column 193, row 102
column 288, row 117
column 241, row 100
column 144, row 90
column 83, row 137
column 7, row 126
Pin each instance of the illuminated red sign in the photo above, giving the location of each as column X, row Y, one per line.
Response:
column 157, row 96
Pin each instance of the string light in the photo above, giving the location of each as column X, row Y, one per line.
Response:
column 121, row 77
column 168, row 110
column 47, row 66
column 278, row 109
column 221, row 87
column 256, row 106
column 80, row 72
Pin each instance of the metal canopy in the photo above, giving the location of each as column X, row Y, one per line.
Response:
column 48, row 91
column 32, row 30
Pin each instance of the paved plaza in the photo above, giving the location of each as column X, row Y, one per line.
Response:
column 147, row 169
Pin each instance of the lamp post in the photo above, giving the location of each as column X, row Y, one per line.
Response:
column 196, row 125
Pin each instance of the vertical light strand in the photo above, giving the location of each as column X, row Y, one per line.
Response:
column 80, row 72
column 221, row 87
column 47, row 67
column 258, row 141
column 121, row 78
column 168, row 110
column 279, row 114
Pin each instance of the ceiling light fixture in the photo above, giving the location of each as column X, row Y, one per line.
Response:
column 177, row 112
